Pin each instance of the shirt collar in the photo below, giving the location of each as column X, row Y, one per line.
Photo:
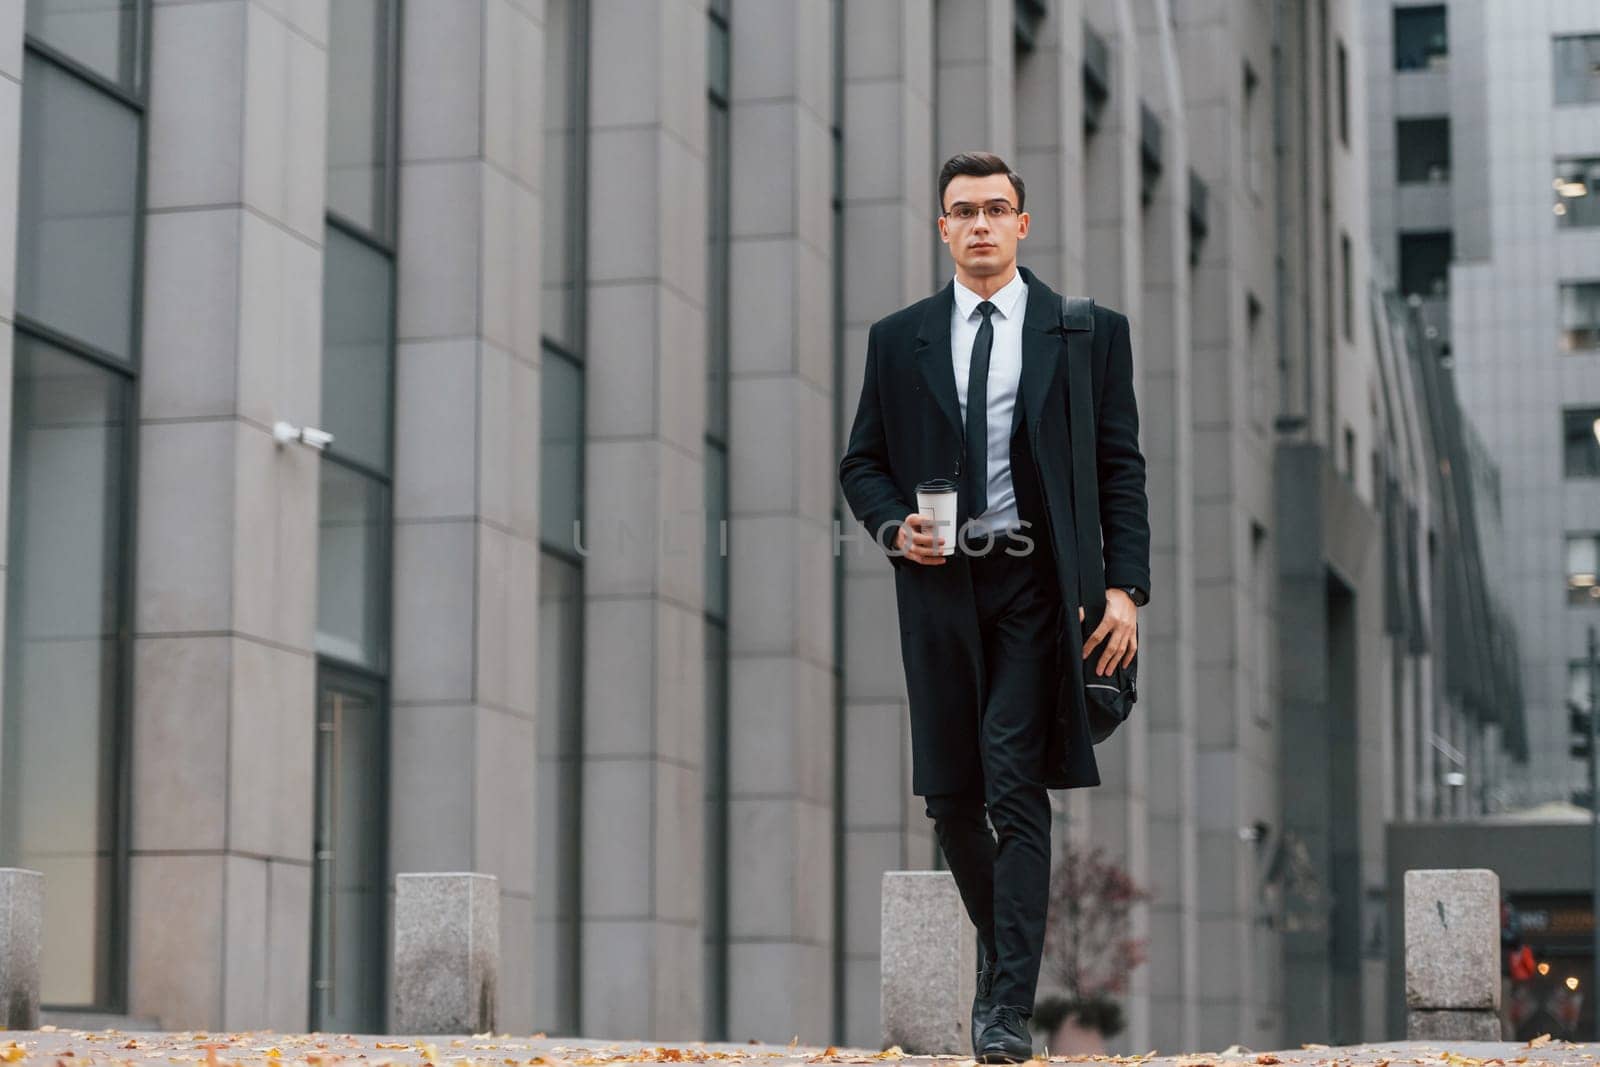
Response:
column 1004, row 300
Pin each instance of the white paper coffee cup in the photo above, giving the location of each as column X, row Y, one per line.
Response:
column 937, row 497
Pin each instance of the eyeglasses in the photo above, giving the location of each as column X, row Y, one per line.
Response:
column 996, row 210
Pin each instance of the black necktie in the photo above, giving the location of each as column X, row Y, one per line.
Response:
column 977, row 464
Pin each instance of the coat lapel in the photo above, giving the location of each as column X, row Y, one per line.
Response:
column 1041, row 351
column 933, row 357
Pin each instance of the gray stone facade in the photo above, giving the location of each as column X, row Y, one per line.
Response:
column 1271, row 677
column 1498, row 319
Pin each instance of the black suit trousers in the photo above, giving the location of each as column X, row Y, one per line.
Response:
column 1005, row 886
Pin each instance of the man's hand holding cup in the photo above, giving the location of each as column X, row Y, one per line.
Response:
column 920, row 540
column 928, row 535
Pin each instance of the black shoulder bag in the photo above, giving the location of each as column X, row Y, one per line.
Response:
column 1109, row 698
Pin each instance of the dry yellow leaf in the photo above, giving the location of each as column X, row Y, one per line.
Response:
column 1540, row 1042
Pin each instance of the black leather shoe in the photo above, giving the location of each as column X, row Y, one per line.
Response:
column 981, row 1002
column 1005, row 1039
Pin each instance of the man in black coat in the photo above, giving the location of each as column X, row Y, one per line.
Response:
column 971, row 384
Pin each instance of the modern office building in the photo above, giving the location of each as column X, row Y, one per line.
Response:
column 1485, row 125
column 580, row 291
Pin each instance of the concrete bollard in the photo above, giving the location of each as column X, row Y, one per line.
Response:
column 446, row 953
column 21, row 920
column 929, row 965
column 1452, row 921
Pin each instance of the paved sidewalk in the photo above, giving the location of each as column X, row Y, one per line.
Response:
column 264, row 1048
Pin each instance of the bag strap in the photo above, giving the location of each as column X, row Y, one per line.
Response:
column 1077, row 322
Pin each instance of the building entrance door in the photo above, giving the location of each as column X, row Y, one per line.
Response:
column 349, row 903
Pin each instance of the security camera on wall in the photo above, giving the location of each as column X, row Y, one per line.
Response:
column 285, row 432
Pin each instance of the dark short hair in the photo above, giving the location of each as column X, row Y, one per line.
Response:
column 978, row 165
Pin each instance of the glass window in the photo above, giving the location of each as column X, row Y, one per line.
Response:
column 1420, row 38
column 1579, row 682
column 1580, row 316
column 717, row 54
column 1425, row 263
column 1344, row 95
column 561, row 452
column 1581, row 427
column 359, row 94
column 558, row 872
column 716, row 513
column 353, row 566
column 715, row 888
column 350, row 880
column 1577, row 192
column 64, row 654
column 1026, row 17
column 78, row 204
column 1583, row 564
column 1347, row 294
column 358, row 341
column 1260, row 382
column 1577, row 69
column 1422, row 150
column 719, row 154
column 717, row 278
column 103, row 35
column 1250, row 138
column 563, row 197
column 715, row 898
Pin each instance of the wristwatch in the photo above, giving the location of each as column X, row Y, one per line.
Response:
column 1139, row 596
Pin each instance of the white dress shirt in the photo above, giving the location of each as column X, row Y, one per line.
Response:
column 1005, row 371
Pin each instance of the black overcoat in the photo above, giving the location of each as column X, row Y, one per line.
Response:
column 907, row 429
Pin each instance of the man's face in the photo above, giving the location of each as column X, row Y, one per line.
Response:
column 985, row 244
